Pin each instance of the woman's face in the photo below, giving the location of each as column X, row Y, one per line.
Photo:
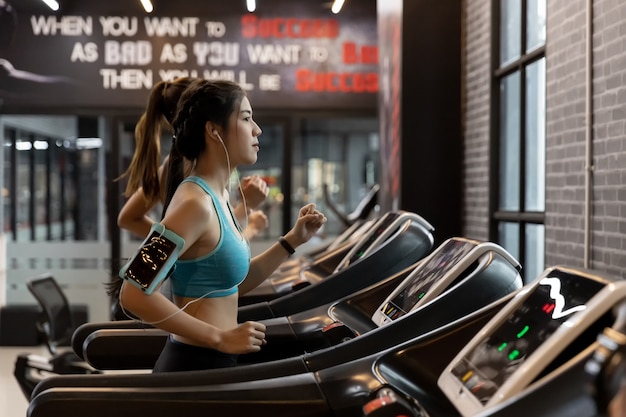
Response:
column 243, row 134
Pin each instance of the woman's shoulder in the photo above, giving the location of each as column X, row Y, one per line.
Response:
column 192, row 189
column 191, row 200
column 190, row 214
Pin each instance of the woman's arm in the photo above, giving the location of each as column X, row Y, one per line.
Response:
column 307, row 225
column 253, row 192
column 188, row 210
column 159, row 310
column 257, row 222
column 134, row 214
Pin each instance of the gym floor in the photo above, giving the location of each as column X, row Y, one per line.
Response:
column 13, row 403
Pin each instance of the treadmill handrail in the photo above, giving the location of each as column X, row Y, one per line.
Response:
column 398, row 223
column 361, row 211
column 265, row 397
column 265, row 370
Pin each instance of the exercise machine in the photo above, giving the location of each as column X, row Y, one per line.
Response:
column 528, row 358
column 462, row 268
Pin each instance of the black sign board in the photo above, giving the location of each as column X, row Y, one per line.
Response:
column 287, row 54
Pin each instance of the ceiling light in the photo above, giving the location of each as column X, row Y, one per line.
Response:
column 147, row 6
column 88, row 143
column 23, row 145
column 40, row 145
column 53, row 4
column 251, row 5
column 337, row 5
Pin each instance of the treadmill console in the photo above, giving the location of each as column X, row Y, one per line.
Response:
column 390, row 224
column 373, row 235
column 414, row 289
column 517, row 345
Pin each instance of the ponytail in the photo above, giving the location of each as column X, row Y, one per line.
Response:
column 143, row 170
column 175, row 175
column 144, row 167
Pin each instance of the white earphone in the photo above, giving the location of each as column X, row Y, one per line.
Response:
column 243, row 198
column 216, row 133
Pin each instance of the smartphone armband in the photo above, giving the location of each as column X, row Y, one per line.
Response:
column 154, row 261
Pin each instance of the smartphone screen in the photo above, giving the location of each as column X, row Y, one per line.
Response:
column 149, row 260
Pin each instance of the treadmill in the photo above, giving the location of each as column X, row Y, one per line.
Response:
column 396, row 241
column 481, row 270
column 287, row 278
column 460, row 276
column 457, row 268
column 357, row 223
column 353, row 221
column 538, row 356
column 532, row 357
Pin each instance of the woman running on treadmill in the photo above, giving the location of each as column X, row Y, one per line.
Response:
column 201, row 237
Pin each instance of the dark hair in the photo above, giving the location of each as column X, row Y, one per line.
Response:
column 159, row 114
column 203, row 101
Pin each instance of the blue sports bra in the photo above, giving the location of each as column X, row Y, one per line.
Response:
column 219, row 272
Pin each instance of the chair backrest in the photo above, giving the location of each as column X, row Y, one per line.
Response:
column 58, row 326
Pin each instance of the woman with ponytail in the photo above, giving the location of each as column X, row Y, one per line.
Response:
column 146, row 173
column 198, row 246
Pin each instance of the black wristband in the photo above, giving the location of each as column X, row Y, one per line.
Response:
column 286, row 245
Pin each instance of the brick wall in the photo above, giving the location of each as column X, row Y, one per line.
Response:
column 476, row 118
column 565, row 131
column 609, row 137
column 566, row 135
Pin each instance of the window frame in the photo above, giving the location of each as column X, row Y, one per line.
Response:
column 521, row 217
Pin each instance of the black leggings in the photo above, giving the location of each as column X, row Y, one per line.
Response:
column 177, row 356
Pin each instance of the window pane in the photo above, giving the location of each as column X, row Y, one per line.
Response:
column 510, row 30
column 23, row 195
column 68, row 191
column 40, row 176
column 7, row 191
column 508, row 237
column 86, row 203
column 510, row 143
column 535, row 24
column 535, row 136
column 534, row 262
column 339, row 153
column 56, row 196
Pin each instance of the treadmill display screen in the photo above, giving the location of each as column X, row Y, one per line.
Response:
column 436, row 267
column 364, row 246
column 489, row 365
